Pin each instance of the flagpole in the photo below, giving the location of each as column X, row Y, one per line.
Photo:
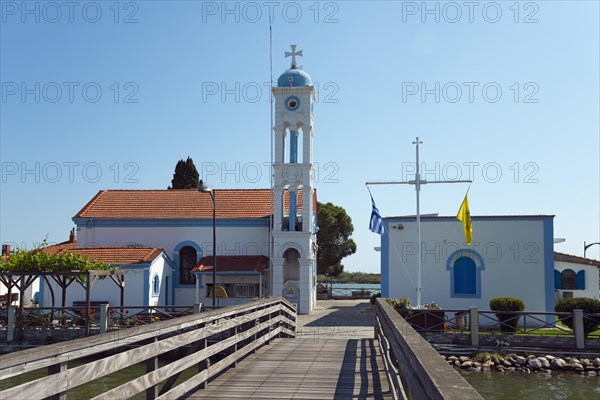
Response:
column 417, row 182
column 418, row 190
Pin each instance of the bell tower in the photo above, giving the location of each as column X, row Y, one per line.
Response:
column 294, row 228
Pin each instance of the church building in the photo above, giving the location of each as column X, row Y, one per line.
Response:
column 511, row 255
column 265, row 238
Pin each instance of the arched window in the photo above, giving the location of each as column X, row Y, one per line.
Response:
column 569, row 280
column 187, row 261
column 291, row 265
column 155, row 285
column 465, row 267
column 465, row 276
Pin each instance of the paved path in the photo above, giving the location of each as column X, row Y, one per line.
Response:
column 333, row 357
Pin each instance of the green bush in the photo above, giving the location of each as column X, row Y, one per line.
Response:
column 403, row 303
column 508, row 321
column 586, row 304
column 373, row 297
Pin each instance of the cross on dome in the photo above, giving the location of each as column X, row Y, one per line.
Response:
column 293, row 54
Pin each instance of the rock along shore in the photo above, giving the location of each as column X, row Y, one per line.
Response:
column 531, row 363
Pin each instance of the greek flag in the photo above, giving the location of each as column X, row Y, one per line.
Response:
column 376, row 223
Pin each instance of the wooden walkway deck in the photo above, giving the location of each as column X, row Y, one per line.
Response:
column 334, row 357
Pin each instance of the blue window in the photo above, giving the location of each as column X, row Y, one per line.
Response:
column 464, row 276
column 155, row 285
column 465, row 266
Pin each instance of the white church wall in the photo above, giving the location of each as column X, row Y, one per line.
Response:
column 592, row 287
column 243, row 239
column 516, row 255
column 160, row 296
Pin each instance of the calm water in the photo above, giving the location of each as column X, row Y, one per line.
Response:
column 534, row 386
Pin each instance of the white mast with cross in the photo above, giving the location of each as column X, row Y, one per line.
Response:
column 417, row 182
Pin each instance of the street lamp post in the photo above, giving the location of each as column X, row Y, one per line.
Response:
column 587, row 246
column 207, row 189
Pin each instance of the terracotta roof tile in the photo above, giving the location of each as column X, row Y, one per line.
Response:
column 118, row 255
column 179, row 204
column 575, row 259
column 233, row 263
column 57, row 248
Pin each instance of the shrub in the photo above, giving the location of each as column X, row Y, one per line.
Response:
column 432, row 306
column 403, row 303
column 373, row 297
column 584, row 303
column 508, row 321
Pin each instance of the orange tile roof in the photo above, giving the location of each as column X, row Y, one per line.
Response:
column 233, row 264
column 179, row 204
column 575, row 259
column 118, row 255
column 57, row 248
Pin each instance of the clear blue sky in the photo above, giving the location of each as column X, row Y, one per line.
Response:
column 162, row 67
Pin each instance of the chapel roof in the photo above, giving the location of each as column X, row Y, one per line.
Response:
column 575, row 259
column 182, row 204
column 117, row 255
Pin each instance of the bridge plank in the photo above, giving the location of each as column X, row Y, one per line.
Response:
column 305, row 368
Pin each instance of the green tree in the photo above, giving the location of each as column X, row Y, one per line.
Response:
column 186, row 175
column 335, row 228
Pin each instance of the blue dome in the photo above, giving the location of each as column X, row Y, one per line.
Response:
column 293, row 78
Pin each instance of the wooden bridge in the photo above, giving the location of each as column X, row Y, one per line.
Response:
column 261, row 350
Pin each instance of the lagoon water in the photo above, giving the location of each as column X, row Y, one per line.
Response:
column 534, row 386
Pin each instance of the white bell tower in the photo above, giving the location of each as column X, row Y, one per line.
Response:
column 294, row 228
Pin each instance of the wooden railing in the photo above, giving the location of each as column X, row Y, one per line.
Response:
column 210, row 341
column 415, row 370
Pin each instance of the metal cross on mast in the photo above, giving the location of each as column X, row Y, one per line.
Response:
column 293, row 54
column 417, row 182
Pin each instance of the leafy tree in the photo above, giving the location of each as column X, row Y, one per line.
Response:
column 335, row 228
column 186, row 175
column 37, row 260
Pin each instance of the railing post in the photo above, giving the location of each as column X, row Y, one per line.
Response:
column 197, row 308
column 474, row 325
column 204, row 364
column 103, row 318
column 578, row 328
column 10, row 328
column 270, row 327
column 152, row 365
column 56, row 369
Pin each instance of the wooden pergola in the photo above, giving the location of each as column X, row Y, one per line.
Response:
column 22, row 280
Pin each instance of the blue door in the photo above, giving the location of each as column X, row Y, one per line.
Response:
column 464, row 276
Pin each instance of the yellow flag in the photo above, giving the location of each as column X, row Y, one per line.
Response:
column 464, row 216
